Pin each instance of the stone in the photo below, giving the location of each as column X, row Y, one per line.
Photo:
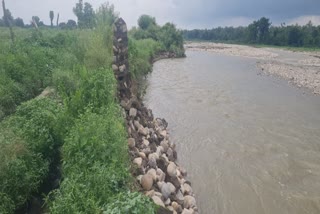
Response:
column 115, row 67
column 146, row 142
column 159, row 150
column 187, row 211
column 179, row 197
column 167, row 189
column 161, row 176
column 189, row 202
column 137, row 124
column 158, row 194
column 177, row 207
column 142, row 155
column 153, row 174
column 150, row 193
column 170, row 154
column 143, row 131
column 160, row 184
column 172, row 169
column 133, row 112
column 187, row 189
column 122, row 68
column 152, row 161
column 165, row 145
column 158, row 201
column 138, row 162
column 139, row 178
column 147, row 182
column 163, row 133
column 167, row 202
column 131, row 143
column 183, row 171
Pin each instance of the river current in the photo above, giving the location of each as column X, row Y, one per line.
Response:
column 250, row 142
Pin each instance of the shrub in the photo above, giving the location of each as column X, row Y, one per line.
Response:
column 95, row 162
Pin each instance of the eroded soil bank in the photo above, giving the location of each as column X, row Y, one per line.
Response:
column 300, row 68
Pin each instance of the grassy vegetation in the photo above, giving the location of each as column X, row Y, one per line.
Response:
column 82, row 120
column 79, row 129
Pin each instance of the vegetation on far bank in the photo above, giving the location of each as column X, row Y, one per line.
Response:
column 261, row 32
column 78, row 130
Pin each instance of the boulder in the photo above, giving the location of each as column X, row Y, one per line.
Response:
column 187, row 189
column 189, row 202
column 133, row 112
column 131, row 143
column 187, row 211
column 138, row 162
column 147, row 182
column 153, row 174
column 172, row 169
column 167, row 189
column 158, row 201
column 165, row 145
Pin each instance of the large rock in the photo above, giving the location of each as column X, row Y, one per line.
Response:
column 187, row 211
column 131, row 143
column 133, row 112
column 177, row 207
column 147, row 182
column 165, row 145
column 158, row 201
column 187, row 189
column 189, row 202
column 153, row 174
column 138, row 162
column 167, row 189
column 161, row 176
column 172, row 169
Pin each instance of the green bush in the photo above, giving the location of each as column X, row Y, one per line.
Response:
column 130, row 203
column 29, row 141
column 95, row 162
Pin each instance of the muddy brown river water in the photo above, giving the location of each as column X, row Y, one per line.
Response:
column 250, row 143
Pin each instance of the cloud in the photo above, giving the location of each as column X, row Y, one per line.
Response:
column 302, row 20
column 184, row 13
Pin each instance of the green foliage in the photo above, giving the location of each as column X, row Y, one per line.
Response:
column 140, row 54
column 85, row 14
column 94, row 163
column 168, row 37
column 146, row 21
column 130, row 203
column 261, row 32
column 29, row 142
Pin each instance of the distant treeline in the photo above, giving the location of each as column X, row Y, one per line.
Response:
column 261, row 32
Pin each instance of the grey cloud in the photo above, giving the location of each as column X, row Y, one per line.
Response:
column 185, row 13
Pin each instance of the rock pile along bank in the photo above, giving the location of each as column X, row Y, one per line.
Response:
column 152, row 153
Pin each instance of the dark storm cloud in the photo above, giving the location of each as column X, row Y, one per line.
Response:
column 185, row 13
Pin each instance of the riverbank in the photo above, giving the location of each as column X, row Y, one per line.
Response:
column 152, row 153
column 298, row 68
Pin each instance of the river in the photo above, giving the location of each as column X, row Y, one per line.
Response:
column 250, row 142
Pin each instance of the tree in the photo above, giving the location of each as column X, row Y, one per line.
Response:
column 7, row 17
column 58, row 19
column 106, row 14
column 36, row 19
column 71, row 24
column 2, row 23
column 263, row 26
column 89, row 15
column 145, row 21
column 51, row 14
column 19, row 22
column 85, row 14
column 252, row 32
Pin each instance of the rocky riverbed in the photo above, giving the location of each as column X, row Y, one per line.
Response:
column 299, row 68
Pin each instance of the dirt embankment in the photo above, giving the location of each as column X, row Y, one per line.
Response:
column 300, row 68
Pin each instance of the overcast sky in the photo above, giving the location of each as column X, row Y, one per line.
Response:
column 184, row 13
